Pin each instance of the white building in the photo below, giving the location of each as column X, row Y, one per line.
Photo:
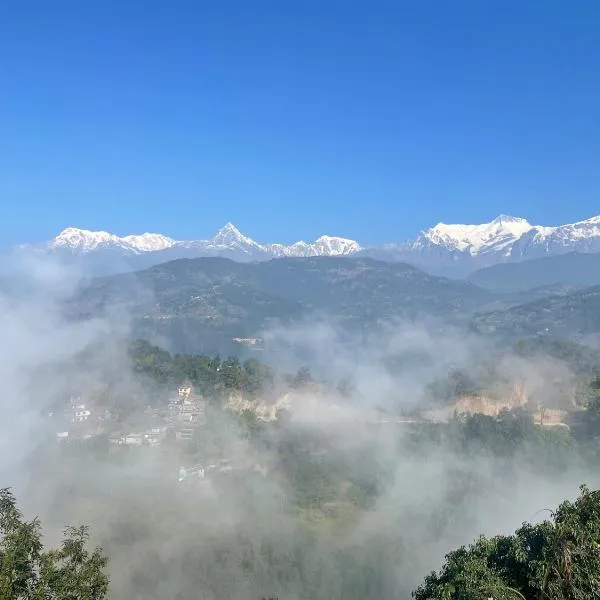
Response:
column 80, row 413
column 133, row 439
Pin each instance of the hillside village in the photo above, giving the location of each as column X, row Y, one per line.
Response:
column 208, row 415
column 184, row 412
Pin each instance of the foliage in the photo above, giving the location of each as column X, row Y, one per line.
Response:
column 557, row 559
column 27, row 571
column 302, row 378
column 580, row 358
column 209, row 375
column 511, row 437
column 456, row 383
column 570, row 316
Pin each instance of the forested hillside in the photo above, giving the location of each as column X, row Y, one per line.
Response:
column 572, row 269
column 570, row 316
column 201, row 305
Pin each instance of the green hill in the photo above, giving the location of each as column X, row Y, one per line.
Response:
column 573, row 269
column 574, row 316
column 201, row 304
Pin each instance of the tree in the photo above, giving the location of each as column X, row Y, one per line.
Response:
column 28, row 572
column 283, row 418
column 454, row 384
column 557, row 559
column 258, row 376
column 251, row 427
column 302, row 378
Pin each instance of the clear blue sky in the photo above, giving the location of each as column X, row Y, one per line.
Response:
column 366, row 119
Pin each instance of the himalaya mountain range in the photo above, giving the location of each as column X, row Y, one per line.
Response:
column 506, row 278
column 450, row 249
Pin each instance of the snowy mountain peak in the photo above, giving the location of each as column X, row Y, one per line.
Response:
column 475, row 239
column 336, row 246
column 83, row 240
column 516, row 225
column 229, row 228
column 228, row 241
column 442, row 248
column 229, row 235
column 508, row 220
column 149, row 242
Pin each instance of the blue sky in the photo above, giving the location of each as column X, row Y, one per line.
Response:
column 369, row 119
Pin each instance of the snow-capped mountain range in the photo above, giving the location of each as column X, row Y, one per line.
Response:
column 228, row 240
column 445, row 248
column 460, row 249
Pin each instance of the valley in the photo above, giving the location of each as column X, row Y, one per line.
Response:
column 379, row 381
column 155, row 449
column 296, row 415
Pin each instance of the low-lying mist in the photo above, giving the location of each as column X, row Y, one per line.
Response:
column 350, row 493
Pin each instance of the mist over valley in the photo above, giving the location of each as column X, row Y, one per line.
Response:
column 380, row 380
column 297, row 428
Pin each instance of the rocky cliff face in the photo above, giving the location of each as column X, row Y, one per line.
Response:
column 265, row 411
column 491, row 403
column 486, row 405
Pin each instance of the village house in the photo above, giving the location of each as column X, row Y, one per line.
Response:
column 193, row 411
column 115, row 439
column 185, row 390
column 133, row 439
column 173, row 407
column 155, row 435
column 184, row 433
column 151, row 437
column 80, row 413
column 186, row 407
column 246, row 341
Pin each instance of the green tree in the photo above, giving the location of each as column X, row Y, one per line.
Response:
column 303, row 377
column 557, row 559
column 283, row 418
column 29, row 572
column 250, row 425
column 257, row 376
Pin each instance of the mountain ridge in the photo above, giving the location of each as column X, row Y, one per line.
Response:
column 444, row 249
column 203, row 304
column 505, row 239
column 572, row 268
column 229, row 236
column 574, row 316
